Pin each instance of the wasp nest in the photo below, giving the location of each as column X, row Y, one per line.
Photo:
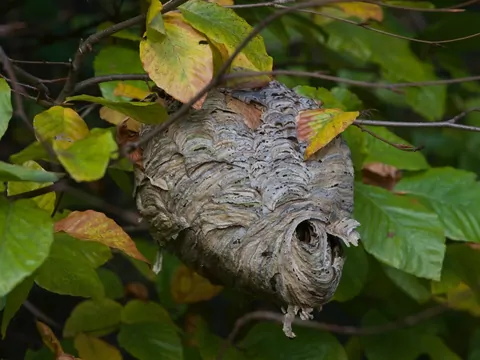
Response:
column 227, row 189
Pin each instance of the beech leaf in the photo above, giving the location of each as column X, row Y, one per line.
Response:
column 46, row 201
column 189, row 287
column 91, row 225
column 155, row 25
column 87, row 159
column 181, row 63
column 60, row 125
column 20, row 252
column 49, row 339
column 91, row 348
column 320, row 126
column 360, row 10
column 226, row 30
column 6, row 110
column 144, row 112
column 10, row 172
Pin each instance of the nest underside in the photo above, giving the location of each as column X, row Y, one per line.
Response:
column 237, row 202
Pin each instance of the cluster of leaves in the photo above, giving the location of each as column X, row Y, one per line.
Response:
column 419, row 223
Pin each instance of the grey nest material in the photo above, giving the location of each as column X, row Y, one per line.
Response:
column 231, row 195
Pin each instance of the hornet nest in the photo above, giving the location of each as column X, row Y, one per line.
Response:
column 226, row 188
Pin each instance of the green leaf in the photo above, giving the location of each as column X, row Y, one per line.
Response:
column 144, row 112
column 118, row 60
column 227, row 30
column 46, row 201
column 398, row 64
column 5, row 106
column 14, row 301
column 94, row 317
column 367, row 149
column 416, row 288
column 21, row 253
column 354, row 274
column 87, row 159
column 210, row 345
column 147, row 341
column 461, row 264
column 400, row 232
column 155, row 25
column 137, row 311
column 453, row 194
column 267, row 341
column 322, row 94
column 403, row 344
column 111, row 283
column 350, row 101
column 34, row 151
column 70, row 267
column 10, row 172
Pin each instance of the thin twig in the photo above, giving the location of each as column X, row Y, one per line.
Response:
column 32, row 79
column 466, row 3
column 352, row 82
column 334, row 328
column 57, row 186
column 106, row 78
column 363, row 25
column 448, row 9
column 7, row 65
column 402, row 147
column 87, row 46
column 40, row 315
column 40, row 62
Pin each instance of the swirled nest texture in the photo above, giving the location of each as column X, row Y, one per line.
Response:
column 227, row 189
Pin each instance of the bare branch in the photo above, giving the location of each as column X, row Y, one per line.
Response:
column 363, row 25
column 353, row 82
column 7, row 65
column 40, row 62
column 466, row 3
column 402, row 147
column 57, row 186
column 334, row 328
column 450, row 123
column 448, row 9
column 87, row 46
column 106, row 78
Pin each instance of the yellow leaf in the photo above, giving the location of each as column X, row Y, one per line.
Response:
column 92, row 348
column 189, row 287
column 361, row 10
column 117, row 118
column 461, row 297
column 182, row 63
column 63, row 126
column 49, row 339
column 46, row 201
column 130, row 91
column 222, row 2
column 95, row 226
column 320, row 126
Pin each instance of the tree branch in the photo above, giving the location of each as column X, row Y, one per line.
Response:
column 450, row 123
column 352, row 82
column 106, row 78
column 334, row 328
column 87, row 45
column 57, row 186
column 402, row 147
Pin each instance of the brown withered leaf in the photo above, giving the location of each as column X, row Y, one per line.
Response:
column 137, row 290
column 49, row 339
column 251, row 113
column 126, row 135
column 189, row 287
column 381, row 175
column 96, row 226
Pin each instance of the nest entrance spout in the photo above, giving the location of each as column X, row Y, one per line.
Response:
column 227, row 190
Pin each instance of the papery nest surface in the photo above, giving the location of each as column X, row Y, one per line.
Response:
column 226, row 188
